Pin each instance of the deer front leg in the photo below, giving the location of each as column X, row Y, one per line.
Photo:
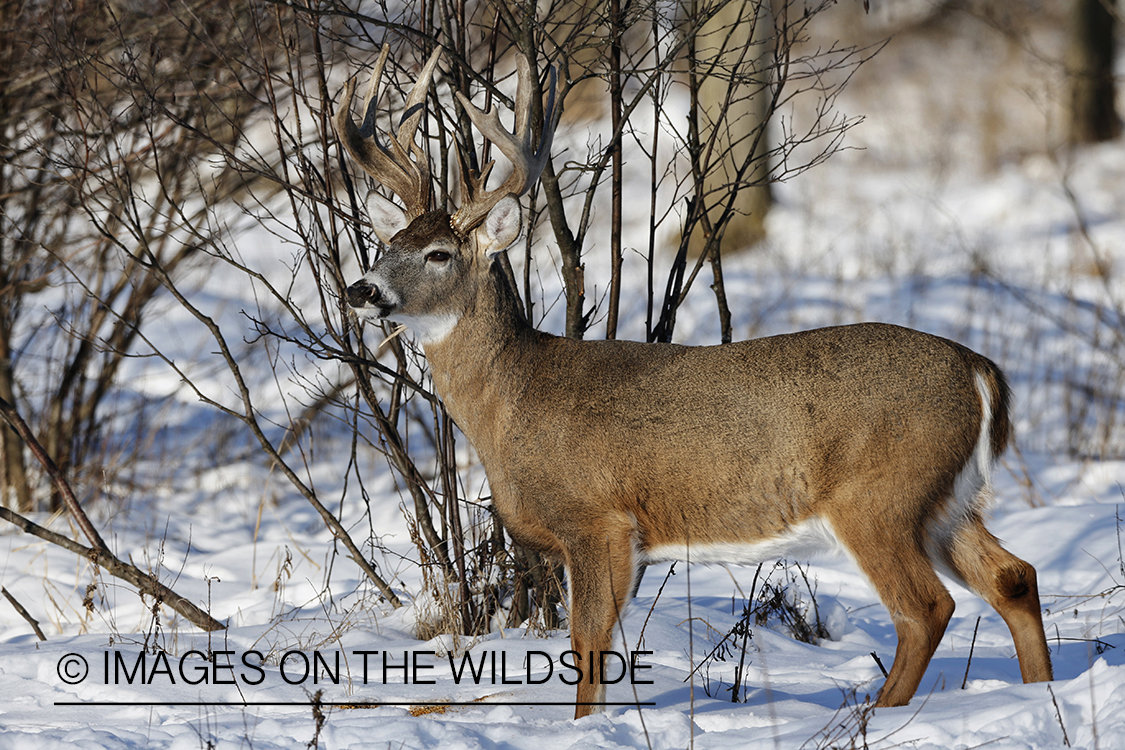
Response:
column 601, row 567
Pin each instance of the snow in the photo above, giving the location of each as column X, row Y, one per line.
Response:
column 854, row 239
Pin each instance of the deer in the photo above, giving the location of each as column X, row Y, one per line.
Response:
column 870, row 439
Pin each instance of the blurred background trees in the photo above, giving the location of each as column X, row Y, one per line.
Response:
column 108, row 113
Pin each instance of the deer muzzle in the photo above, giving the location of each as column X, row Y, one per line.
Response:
column 366, row 299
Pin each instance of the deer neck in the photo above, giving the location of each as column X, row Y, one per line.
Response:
column 476, row 368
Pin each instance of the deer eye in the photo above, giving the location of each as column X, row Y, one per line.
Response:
column 437, row 256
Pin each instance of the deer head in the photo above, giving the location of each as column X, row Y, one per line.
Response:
column 425, row 277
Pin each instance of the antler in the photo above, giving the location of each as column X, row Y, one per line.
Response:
column 407, row 178
column 527, row 160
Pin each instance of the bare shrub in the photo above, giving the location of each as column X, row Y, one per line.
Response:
column 160, row 137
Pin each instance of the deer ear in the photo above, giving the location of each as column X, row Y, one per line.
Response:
column 387, row 218
column 501, row 228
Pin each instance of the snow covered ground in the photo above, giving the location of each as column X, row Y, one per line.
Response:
column 796, row 695
column 990, row 258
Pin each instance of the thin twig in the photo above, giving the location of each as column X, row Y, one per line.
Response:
column 879, row 662
column 738, row 673
column 972, row 646
column 641, row 637
column 24, row 613
column 398, row 330
column 1058, row 715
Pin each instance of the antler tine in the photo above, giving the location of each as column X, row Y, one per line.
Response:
column 528, row 161
column 407, row 178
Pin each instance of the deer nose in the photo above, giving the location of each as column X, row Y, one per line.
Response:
column 363, row 294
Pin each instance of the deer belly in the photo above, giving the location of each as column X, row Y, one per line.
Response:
column 812, row 537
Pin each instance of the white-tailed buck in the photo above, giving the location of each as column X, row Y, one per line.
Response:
column 611, row 454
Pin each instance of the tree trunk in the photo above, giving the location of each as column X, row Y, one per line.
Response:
column 1093, row 116
column 14, row 489
column 736, row 42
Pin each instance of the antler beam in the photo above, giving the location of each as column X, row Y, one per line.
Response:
column 528, row 160
column 392, row 166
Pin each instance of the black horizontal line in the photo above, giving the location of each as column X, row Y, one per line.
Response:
column 344, row 704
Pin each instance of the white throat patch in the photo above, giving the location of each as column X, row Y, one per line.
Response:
column 430, row 329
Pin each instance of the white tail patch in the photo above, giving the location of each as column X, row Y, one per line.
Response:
column 970, row 487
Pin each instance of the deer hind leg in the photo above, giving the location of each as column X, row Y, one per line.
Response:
column 1009, row 585
column 895, row 562
column 601, row 569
